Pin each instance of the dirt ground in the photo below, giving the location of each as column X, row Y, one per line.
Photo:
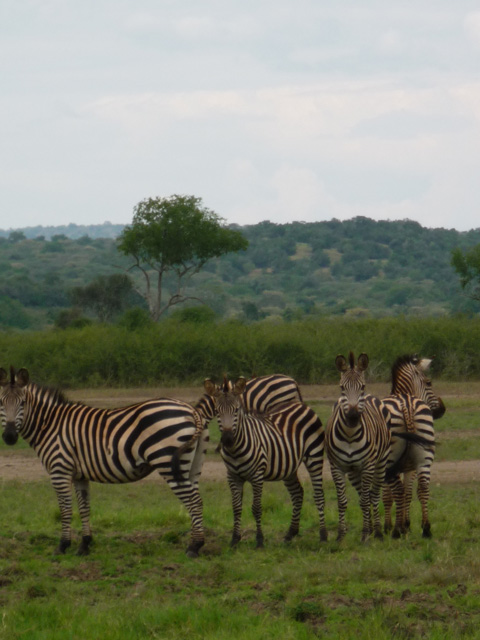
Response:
column 25, row 466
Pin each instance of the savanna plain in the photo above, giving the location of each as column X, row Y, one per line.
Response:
column 138, row 583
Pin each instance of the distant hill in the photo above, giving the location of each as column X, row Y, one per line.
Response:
column 73, row 231
column 357, row 267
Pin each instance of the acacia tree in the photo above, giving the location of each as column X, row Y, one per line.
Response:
column 174, row 235
column 467, row 266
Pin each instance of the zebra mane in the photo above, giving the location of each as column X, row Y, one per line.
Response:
column 54, row 394
column 401, row 362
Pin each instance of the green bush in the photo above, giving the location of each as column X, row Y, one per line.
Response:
column 178, row 352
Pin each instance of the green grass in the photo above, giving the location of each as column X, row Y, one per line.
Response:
column 138, row 583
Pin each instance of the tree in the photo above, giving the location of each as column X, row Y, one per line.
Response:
column 467, row 266
column 175, row 235
column 105, row 296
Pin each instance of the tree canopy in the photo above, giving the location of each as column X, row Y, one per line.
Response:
column 175, row 234
column 467, row 266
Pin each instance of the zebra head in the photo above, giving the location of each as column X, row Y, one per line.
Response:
column 409, row 375
column 352, row 385
column 228, row 406
column 12, row 401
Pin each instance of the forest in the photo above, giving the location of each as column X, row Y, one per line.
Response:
column 355, row 268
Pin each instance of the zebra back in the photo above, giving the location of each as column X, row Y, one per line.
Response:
column 261, row 394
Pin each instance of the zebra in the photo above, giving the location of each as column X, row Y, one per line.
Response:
column 261, row 395
column 268, row 447
column 413, row 406
column 357, row 442
column 77, row 444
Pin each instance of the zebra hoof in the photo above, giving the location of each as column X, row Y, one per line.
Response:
column 396, row 534
column 194, row 548
column 291, row 533
column 62, row 547
column 427, row 532
column 323, row 535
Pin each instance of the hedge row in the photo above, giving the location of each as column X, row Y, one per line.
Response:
column 186, row 353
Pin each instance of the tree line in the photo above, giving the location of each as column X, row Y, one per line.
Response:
column 176, row 251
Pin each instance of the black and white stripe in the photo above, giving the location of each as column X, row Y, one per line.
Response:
column 357, row 441
column 413, row 406
column 268, row 447
column 261, row 395
column 78, row 444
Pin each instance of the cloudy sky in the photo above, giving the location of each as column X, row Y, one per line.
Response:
column 287, row 110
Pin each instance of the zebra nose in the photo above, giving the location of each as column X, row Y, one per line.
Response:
column 353, row 416
column 10, row 435
column 227, row 438
column 438, row 411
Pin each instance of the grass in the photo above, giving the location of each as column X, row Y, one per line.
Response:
column 137, row 582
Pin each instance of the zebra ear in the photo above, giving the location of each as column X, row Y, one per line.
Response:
column 341, row 363
column 3, row 377
column 362, row 363
column 22, row 377
column 209, row 387
column 239, row 386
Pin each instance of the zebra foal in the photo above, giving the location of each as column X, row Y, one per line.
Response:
column 268, row 447
column 413, row 406
column 357, row 442
column 78, row 444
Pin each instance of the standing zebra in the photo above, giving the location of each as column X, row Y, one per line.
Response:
column 261, row 394
column 268, row 447
column 357, row 442
column 413, row 406
column 77, row 444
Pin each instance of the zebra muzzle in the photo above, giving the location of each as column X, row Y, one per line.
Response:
column 438, row 411
column 10, row 435
column 352, row 416
column 227, row 438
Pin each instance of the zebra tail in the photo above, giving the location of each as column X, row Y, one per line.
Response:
column 186, row 446
column 397, row 467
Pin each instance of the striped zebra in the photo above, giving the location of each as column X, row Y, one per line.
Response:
column 268, row 447
column 413, row 406
column 77, row 444
column 261, row 395
column 357, row 441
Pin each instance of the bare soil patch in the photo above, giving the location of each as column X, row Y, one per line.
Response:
column 25, row 466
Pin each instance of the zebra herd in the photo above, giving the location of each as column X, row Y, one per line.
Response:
column 267, row 432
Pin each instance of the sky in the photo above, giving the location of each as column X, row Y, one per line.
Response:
column 293, row 110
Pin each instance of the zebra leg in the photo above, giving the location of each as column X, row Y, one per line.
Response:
column 375, row 493
column 257, row 487
column 189, row 494
column 408, row 479
column 63, row 488
column 296, row 492
column 236, row 490
column 82, row 490
column 423, row 492
column 362, row 481
column 339, row 480
column 387, row 499
column 398, row 494
column 316, row 477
